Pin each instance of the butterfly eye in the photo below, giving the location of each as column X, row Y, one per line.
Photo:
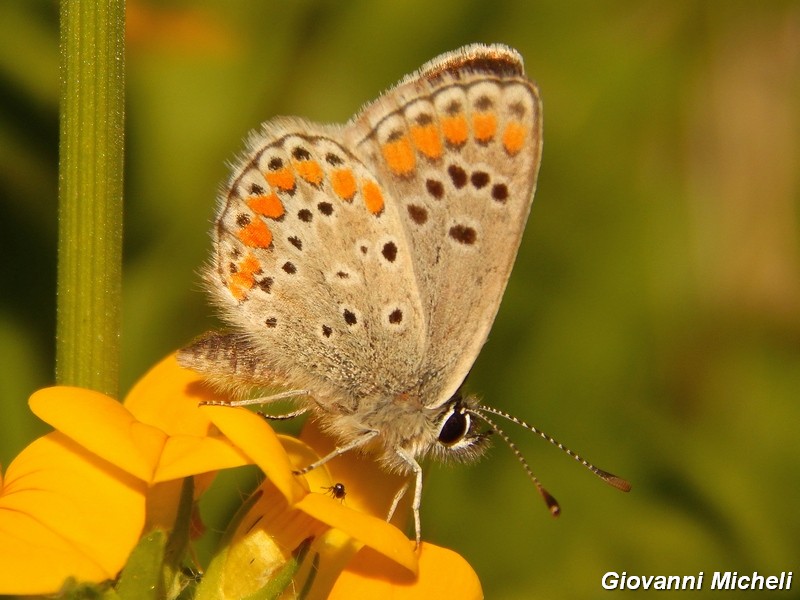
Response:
column 454, row 428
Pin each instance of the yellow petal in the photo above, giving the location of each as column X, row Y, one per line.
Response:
column 65, row 513
column 256, row 439
column 183, row 456
column 102, row 425
column 168, row 396
column 442, row 574
column 372, row 531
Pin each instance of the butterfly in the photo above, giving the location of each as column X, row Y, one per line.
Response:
column 361, row 266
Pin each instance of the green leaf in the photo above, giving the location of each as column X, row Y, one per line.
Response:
column 87, row 591
column 141, row 578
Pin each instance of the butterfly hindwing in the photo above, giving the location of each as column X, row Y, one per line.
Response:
column 459, row 148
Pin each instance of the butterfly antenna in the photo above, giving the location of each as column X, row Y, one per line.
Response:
column 552, row 503
column 609, row 478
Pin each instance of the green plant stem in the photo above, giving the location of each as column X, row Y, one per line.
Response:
column 90, row 193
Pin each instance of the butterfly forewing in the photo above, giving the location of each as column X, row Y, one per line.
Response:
column 311, row 262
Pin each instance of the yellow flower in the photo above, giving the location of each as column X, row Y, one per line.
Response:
column 75, row 502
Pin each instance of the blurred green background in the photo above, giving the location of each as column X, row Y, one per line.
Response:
column 652, row 321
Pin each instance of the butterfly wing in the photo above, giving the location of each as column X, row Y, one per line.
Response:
column 458, row 145
column 370, row 260
column 311, row 265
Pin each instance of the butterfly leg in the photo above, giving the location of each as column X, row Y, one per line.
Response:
column 396, row 500
column 415, row 504
column 338, row 451
column 263, row 400
column 283, row 417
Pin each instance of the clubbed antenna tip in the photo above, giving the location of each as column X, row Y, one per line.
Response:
column 614, row 481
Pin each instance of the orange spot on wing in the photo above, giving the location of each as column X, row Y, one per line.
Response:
column 242, row 280
column 250, row 264
column 309, row 170
column 455, row 129
column 282, row 178
column 484, row 126
column 514, row 137
column 239, row 284
column 237, row 291
column 426, row 139
column 399, row 155
column 268, row 206
column 255, row 234
column 373, row 197
column 344, row 183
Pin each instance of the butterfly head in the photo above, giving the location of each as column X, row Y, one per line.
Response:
column 460, row 437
